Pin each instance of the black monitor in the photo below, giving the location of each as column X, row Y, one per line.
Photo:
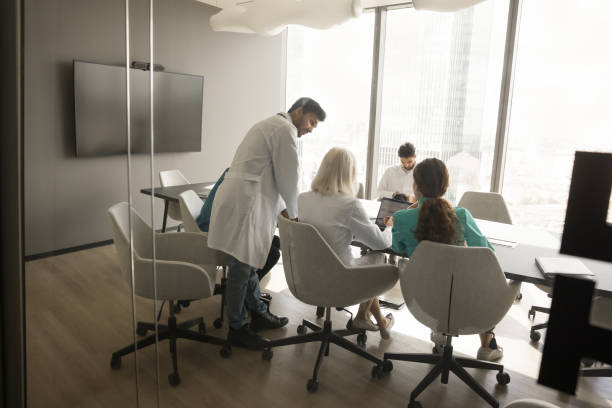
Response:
column 101, row 118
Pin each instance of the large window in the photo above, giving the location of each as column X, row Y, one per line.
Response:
column 335, row 68
column 561, row 103
column 441, row 88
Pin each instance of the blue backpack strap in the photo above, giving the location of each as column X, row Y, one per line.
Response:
column 203, row 219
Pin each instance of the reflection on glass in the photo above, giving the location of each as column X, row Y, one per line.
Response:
column 334, row 67
column 442, row 75
column 561, row 103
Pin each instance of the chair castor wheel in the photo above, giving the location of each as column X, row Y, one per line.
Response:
column 301, row 329
column 174, row 379
column 519, row 297
column 115, row 362
column 387, row 366
column 201, row 328
column 535, row 336
column 267, row 354
column 415, row 404
column 531, row 314
column 218, row 323
column 377, row 372
column 226, row 351
column 141, row 330
column 312, row 385
column 503, row 378
column 362, row 338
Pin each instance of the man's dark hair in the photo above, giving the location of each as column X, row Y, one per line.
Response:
column 309, row 105
column 406, row 150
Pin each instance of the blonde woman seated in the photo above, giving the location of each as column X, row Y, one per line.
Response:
column 331, row 207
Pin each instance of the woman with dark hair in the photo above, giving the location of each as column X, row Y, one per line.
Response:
column 434, row 219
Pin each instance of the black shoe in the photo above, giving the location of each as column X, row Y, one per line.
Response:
column 266, row 321
column 247, row 338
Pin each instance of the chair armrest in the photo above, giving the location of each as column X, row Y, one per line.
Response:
column 175, row 280
column 190, row 247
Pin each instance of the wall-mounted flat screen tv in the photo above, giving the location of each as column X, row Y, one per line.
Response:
column 101, row 118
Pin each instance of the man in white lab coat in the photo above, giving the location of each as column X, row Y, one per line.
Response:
column 261, row 184
column 397, row 181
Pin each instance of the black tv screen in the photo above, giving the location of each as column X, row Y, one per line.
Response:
column 101, row 118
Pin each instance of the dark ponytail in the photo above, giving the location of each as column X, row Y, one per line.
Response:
column 437, row 219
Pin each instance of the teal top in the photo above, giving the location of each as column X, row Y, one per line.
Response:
column 406, row 221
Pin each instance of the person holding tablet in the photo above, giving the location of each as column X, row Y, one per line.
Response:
column 332, row 207
column 435, row 219
column 397, row 180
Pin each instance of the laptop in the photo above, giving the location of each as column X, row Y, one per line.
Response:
column 388, row 207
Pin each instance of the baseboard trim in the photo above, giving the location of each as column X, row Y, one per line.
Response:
column 77, row 248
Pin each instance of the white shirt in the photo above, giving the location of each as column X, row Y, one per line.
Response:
column 341, row 219
column 263, row 174
column 396, row 178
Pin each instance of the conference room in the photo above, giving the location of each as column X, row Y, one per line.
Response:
column 125, row 114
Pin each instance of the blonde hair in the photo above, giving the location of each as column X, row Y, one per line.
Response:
column 337, row 174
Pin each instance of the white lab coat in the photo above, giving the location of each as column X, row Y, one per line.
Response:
column 340, row 220
column 264, row 172
column 396, row 178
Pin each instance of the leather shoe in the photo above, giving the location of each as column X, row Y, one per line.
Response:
column 247, row 338
column 267, row 321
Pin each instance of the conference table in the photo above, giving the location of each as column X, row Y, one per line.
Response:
column 171, row 194
column 516, row 248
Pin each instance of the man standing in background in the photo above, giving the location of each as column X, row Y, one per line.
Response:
column 398, row 180
column 262, row 181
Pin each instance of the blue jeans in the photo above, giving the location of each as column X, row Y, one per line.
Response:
column 242, row 287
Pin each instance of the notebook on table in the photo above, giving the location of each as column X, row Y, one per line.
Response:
column 388, row 207
column 551, row 266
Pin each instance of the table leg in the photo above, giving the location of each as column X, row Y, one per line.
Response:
column 165, row 215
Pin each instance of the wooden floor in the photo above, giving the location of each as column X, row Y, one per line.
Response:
column 79, row 312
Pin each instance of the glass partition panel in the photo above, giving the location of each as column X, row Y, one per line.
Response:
column 441, row 83
column 334, row 67
column 561, row 103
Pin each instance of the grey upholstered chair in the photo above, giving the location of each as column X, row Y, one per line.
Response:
column 454, row 290
column 486, row 206
column 184, row 269
column 316, row 276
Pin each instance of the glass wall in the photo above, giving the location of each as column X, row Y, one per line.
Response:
column 561, row 103
column 335, row 68
column 441, row 83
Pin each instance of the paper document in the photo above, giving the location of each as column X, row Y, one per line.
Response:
column 561, row 266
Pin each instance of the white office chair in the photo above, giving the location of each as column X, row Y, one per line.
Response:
column 170, row 178
column 316, row 276
column 185, row 269
column 454, row 290
column 486, row 206
column 530, row 403
column 190, row 205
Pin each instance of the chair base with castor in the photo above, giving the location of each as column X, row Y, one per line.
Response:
column 534, row 335
column 171, row 332
column 445, row 362
column 327, row 336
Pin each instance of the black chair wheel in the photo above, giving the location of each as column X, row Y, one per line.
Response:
column 301, row 329
column 587, row 362
column 519, row 296
column 312, row 385
column 115, row 362
column 362, row 339
column 503, row 378
column 387, row 366
column 415, row 404
column 202, row 328
column 174, row 379
column 267, row 354
column 141, row 330
column 218, row 323
column 531, row 314
column 377, row 372
column 535, row 336
column 320, row 311
column 225, row 352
